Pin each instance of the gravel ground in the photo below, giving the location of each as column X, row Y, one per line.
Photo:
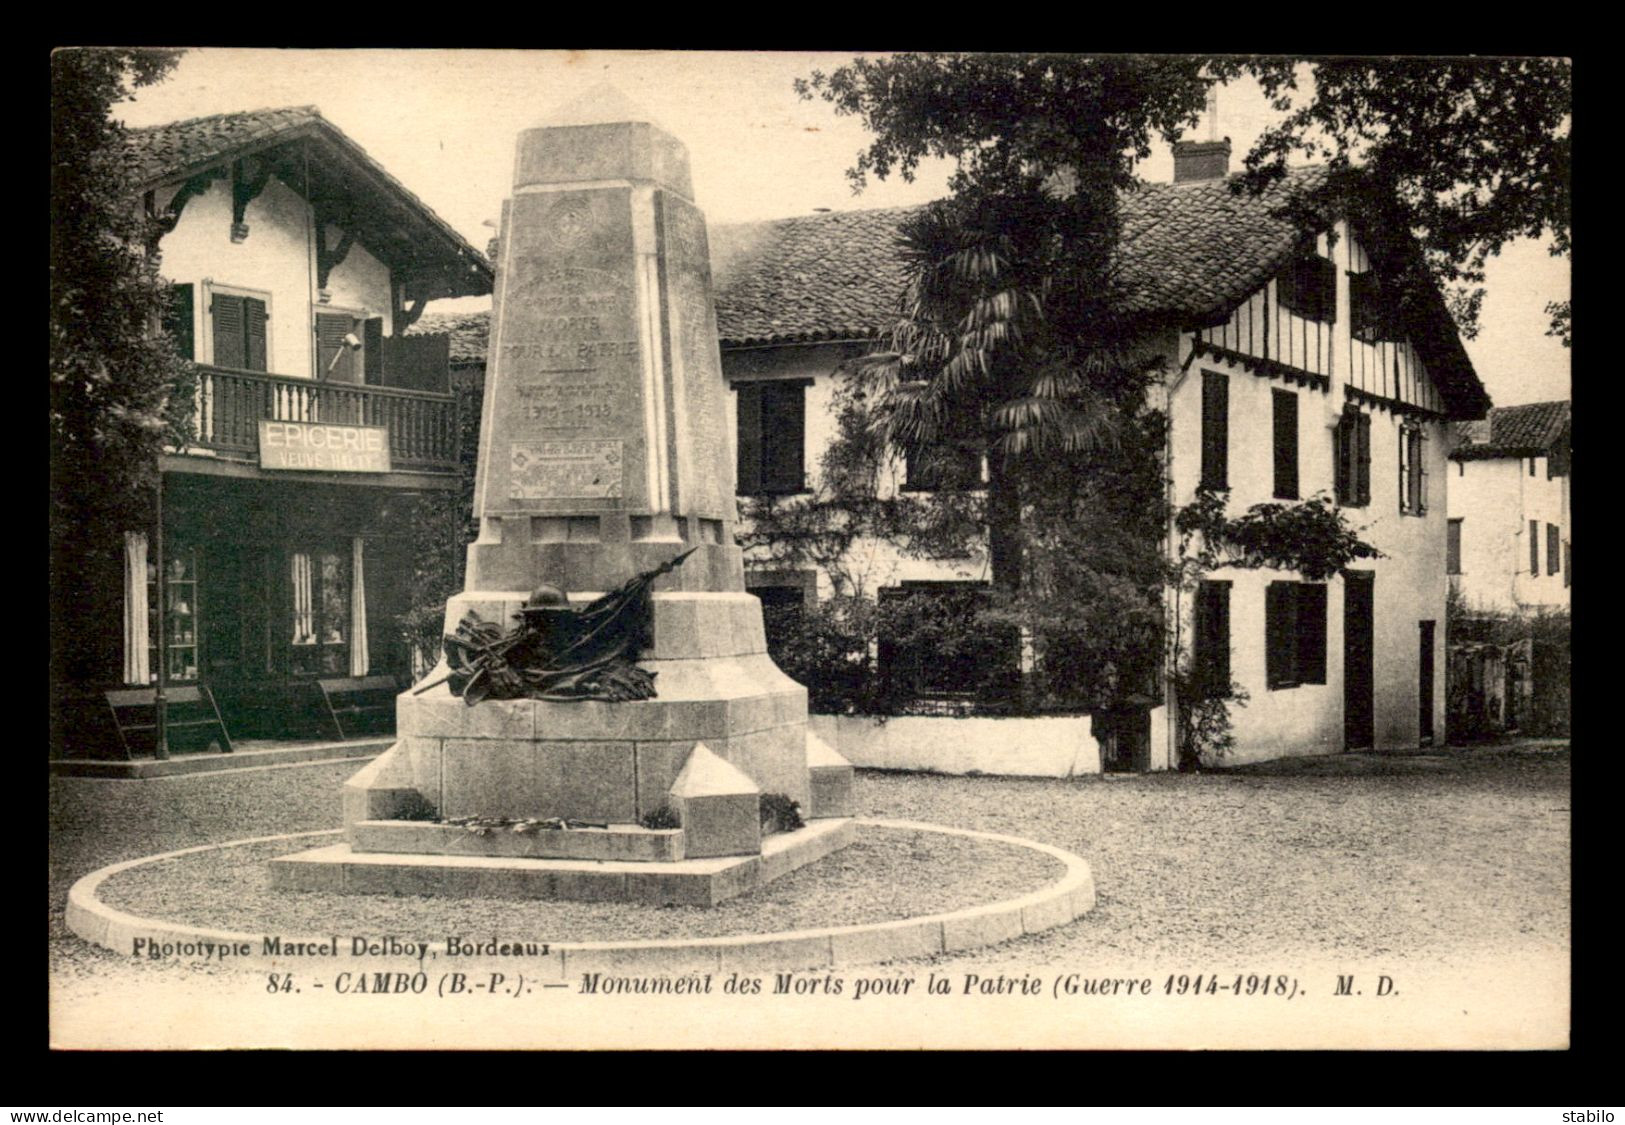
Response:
column 1424, row 858
column 887, row 874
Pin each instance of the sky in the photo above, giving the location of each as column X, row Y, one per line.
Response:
column 444, row 122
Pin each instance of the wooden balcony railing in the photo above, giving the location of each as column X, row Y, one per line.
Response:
column 231, row 403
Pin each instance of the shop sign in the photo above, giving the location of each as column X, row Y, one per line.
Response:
column 324, row 447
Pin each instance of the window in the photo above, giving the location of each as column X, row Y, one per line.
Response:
column 1286, row 444
column 1453, row 547
column 784, row 609
column 1210, row 640
column 1568, row 565
column 931, row 642
column 1413, row 473
column 1553, row 550
column 237, row 323
column 338, row 360
column 319, row 625
column 1295, row 634
column 1215, row 430
column 1370, row 316
column 1308, row 287
column 1534, row 548
column 180, row 620
column 1352, row 448
column 1531, row 466
column 952, row 467
column 772, row 437
column 178, row 321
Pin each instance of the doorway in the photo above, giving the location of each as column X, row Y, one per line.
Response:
column 1424, row 693
column 1359, row 588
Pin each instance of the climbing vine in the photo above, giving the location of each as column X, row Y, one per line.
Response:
column 1311, row 538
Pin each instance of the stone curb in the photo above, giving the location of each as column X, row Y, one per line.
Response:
column 1070, row 897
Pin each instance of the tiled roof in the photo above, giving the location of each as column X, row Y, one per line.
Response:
column 184, row 148
column 828, row 276
column 1190, row 252
column 467, row 331
column 164, row 151
column 1513, row 431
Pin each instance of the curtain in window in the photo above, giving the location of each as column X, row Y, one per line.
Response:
column 304, row 605
column 136, row 667
column 359, row 657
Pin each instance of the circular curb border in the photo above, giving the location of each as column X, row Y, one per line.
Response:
column 1070, row 897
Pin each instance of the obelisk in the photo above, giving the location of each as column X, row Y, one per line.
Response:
column 604, row 453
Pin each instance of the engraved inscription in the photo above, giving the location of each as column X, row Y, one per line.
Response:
column 565, row 470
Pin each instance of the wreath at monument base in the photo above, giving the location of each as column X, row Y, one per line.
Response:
column 558, row 653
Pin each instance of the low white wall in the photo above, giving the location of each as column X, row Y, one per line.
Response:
column 1052, row 746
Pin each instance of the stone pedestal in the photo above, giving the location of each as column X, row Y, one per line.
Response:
column 604, row 453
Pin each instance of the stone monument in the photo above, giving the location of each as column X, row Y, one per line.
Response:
column 604, row 454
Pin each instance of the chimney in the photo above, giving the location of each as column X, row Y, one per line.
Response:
column 1201, row 160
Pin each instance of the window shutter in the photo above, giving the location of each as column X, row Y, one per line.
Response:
column 1362, row 459
column 178, row 321
column 372, row 350
column 1553, row 551
column 1421, row 472
column 1534, row 548
column 1568, row 564
column 1286, row 444
column 1311, row 633
column 1407, row 501
column 1324, row 283
column 226, row 317
column 1281, row 634
column 1215, row 430
column 1287, row 283
column 1453, row 547
column 749, row 446
column 1211, row 641
column 254, row 334
column 783, row 418
column 1342, row 457
column 331, row 353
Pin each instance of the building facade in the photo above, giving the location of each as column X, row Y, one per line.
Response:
column 1510, row 534
column 1290, row 372
column 296, row 264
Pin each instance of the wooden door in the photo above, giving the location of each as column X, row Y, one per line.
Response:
column 1359, row 588
column 1424, row 693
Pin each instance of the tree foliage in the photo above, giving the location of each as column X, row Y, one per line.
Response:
column 119, row 393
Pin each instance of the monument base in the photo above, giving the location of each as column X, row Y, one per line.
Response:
column 343, row 869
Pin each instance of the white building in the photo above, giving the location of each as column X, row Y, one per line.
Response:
column 296, row 265
column 1510, row 530
column 1288, row 374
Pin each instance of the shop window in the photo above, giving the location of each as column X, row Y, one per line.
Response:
column 772, row 433
column 180, row 618
column 1413, row 473
column 319, row 622
column 1352, row 449
column 238, row 328
column 1215, row 430
column 1308, row 287
column 1210, row 643
column 1286, row 444
column 1295, row 634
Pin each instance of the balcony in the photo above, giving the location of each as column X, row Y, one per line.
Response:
column 231, row 403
